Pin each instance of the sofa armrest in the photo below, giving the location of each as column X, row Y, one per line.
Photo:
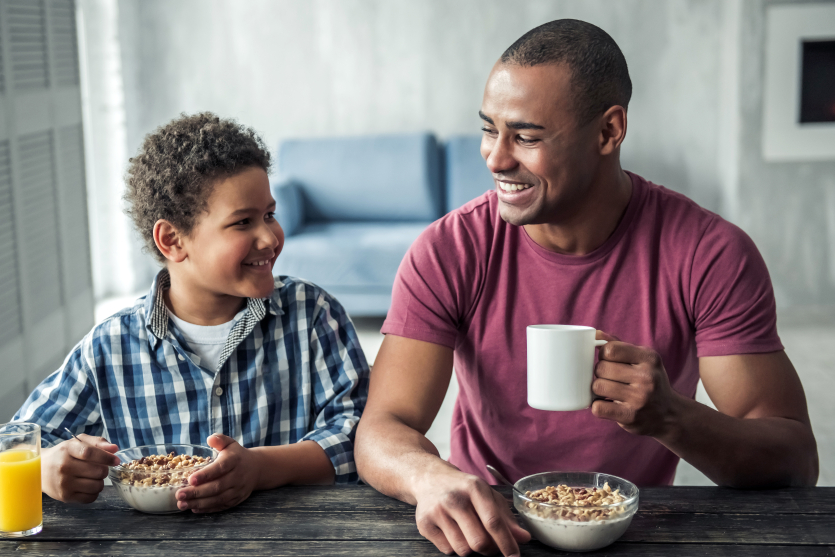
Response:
column 289, row 206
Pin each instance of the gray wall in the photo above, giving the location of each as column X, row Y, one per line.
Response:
column 788, row 208
column 336, row 67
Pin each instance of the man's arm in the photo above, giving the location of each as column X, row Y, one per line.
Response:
column 760, row 436
column 457, row 512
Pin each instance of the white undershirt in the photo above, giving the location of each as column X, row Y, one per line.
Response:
column 207, row 341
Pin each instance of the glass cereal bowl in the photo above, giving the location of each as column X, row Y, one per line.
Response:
column 579, row 511
column 149, row 476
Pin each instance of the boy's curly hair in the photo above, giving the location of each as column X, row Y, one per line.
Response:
column 173, row 174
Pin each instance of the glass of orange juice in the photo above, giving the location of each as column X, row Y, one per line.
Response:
column 20, row 480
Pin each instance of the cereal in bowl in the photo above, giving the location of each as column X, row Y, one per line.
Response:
column 572, row 500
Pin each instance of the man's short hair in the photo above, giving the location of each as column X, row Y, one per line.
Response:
column 176, row 168
column 599, row 75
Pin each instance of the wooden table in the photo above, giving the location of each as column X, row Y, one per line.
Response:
column 358, row 521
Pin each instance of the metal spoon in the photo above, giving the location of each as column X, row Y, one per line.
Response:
column 73, row 435
column 505, row 481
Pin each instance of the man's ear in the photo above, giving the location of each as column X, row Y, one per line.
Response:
column 169, row 241
column 612, row 129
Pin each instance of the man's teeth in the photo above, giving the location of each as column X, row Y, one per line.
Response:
column 508, row 187
column 258, row 263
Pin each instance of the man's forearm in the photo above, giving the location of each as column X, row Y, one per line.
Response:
column 743, row 453
column 394, row 457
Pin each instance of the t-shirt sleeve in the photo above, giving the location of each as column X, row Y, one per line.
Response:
column 437, row 281
column 731, row 295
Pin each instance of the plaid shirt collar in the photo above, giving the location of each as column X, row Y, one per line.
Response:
column 157, row 314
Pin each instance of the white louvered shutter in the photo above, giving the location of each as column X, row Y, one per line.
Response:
column 46, row 300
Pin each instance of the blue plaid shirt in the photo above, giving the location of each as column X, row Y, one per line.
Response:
column 291, row 370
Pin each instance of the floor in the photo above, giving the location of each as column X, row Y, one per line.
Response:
column 806, row 333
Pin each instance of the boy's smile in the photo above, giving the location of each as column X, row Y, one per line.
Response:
column 230, row 252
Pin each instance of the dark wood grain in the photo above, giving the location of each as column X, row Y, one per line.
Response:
column 357, row 520
column 380, row 549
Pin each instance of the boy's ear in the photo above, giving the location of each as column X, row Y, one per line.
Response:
column 169, row 241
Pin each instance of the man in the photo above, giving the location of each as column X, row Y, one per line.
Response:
column 569, row 237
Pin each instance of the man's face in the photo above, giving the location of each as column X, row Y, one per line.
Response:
column 232, row 249
column 541, row 159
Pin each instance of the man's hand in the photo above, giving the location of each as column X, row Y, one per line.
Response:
column 635, row 384
column 224, row 483
column 74, row 471
column 461, row 513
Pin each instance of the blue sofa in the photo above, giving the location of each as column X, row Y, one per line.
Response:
column 351, row 207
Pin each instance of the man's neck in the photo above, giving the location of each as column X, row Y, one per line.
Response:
column 198, row 306
column 591, row 222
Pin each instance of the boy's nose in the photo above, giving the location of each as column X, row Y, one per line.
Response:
column 268, row 238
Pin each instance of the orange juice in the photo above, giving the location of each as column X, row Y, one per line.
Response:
column 20, row 490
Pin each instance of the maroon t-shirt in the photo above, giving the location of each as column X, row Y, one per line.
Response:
column 673, row 276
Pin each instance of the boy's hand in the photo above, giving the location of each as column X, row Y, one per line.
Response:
column 224, row 483
column 74, row 472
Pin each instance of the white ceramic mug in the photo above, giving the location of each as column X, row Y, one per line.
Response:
column 561, row 366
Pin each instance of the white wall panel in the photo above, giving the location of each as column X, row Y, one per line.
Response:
column 45, row 283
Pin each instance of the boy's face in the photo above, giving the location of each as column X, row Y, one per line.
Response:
column 233, row 247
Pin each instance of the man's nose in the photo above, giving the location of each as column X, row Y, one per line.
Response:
column 499, row 157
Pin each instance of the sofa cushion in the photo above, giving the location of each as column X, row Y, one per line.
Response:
column 467, row 175
column 374, row 178
column 347, row 256
column 289, row 207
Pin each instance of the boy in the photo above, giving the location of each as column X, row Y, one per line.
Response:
column 270, row 370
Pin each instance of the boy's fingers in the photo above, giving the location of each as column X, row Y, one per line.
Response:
column 209, row 489
column 219, row 441
column 75, row 468
column 213, row 471
column 220, row 500
column 83, row 485
column 91, row 454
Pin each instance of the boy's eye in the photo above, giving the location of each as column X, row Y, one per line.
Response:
column 270, row 216
column 242, row 222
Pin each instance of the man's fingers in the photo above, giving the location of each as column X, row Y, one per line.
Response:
column 602, row 335
column 614, row 411
column 429, row 529
column 519, row 534
column 613, row 390
column 616, row 371
column 88, row 452
column 623, row 352
column 451, row 537
column 477, row 538
column 493, row 513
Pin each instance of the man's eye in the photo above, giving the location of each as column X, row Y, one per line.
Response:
column 488, row 130
column 526, row 141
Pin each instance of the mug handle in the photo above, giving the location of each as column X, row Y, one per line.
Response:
column 600, row 342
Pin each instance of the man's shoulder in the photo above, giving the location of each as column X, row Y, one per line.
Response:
column 470, row 226
column 683, row 222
